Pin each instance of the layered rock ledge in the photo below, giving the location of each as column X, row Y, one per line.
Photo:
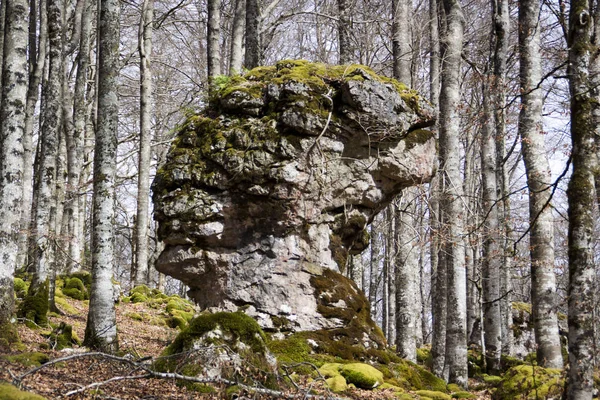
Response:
column 265, row 194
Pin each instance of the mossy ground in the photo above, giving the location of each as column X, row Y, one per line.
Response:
column 10, row 392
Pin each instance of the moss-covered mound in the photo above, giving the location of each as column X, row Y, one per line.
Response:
column 75, row 289
column 9, row 337
column 10, row 392
column 63, row 337
column 530, row 382
column 410, row 376
column 34, row 307
column 178, row 312
column 220, row 344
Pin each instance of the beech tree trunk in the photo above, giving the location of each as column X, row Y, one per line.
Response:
column 543, row 280
column 45, row 212
column 101, row 329
column 491, row 249
column 344, row 29
column 213, row 38
column 237, row 37
column 75, row 143
column 140, row 277
column 253, row 47
column 452, row 195
column 37, row 60
column 12, row 115
column 582, row 196
column 401, row 18
column 408, row 305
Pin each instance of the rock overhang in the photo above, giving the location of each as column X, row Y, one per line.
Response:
column 278, row 179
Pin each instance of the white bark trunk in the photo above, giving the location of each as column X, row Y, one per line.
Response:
column 452, row 195
column 408, row 306
column 543, row 280
column 213, row 38
column 44, row 229
column 237, row 38
column 101, row 329
column 12, row 113
column 582, row 196
column 146, row 110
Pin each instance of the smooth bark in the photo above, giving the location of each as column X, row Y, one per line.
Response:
column 237, row 38
column 543, row 280
column 344, row 31
column 253, row 48
column 12, row 115
column 101, row 329
column 581, row 193
column 140, row 276
column 213, row 38
column 452, row 194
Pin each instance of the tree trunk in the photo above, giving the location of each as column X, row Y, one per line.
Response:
column 75, row 144
column 402, row 54
column 543, row 281
column 140, row 276
column 253, row 48
column 37, row 60
column 452, row 194
column 44, row 228
column 582, row 196
column 213, row 38
column 501, row 19
column 12, row 113
column 491, row 250
column 237, row 37
column 101, row 329
column 344, row 29
column 407, row 277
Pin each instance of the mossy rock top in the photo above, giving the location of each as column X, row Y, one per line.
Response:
column 227, row 328
column 530, row 382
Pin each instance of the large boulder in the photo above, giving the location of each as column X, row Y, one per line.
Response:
column 266, row 193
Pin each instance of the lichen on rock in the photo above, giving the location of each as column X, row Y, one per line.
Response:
column 266, row 193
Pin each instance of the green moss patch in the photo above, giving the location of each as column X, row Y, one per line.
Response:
column 337, row 384
column 432, row 394
column 28, row 359
column 75, row 289
column 530, row 382
column 411, row 376
column 463, row 395
column 10, row 392
column 34, row 307
column 9, row 337
column 63, row 337
column 21, row 287
column 364, row 376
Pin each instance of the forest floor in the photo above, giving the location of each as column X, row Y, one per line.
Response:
column 83, row 377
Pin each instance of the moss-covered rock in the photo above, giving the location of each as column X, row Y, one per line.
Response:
column 337, row 384
column 9, row 337
column 434, row 395
column 530, row 382
column 463, row 395
column 34, row 307
column 218, row 345
column 20, row 287
column 63, row 337
column 411, row 376
column 364, row 376
column 10, row 392
column 75, row 289
column 28, row 359
column 330, row 370
column 240, row 197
